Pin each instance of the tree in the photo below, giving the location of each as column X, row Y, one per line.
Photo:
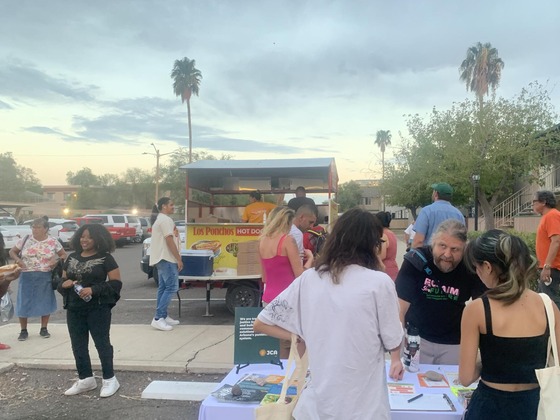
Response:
column 482, row 68
column 186, row 81
column 450, row 146
column 348, row 195
column 383, row 139
column 83, row 177
column 15, row 180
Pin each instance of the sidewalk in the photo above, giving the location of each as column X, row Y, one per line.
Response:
column 192, row 348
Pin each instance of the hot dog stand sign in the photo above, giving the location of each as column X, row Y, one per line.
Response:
column 222, row 239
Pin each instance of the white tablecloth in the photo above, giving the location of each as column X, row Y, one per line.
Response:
column 212, row 409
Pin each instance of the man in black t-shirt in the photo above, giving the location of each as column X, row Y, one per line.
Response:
column 300, row 199
column 433, row 285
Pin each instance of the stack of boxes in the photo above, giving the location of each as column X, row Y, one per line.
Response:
column 248, row 258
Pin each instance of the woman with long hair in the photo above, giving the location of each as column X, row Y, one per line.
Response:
column 510, row 327
column 37, row 254
column 347, row 312
column 388, row 254
column 88, row 307
column 6, row 278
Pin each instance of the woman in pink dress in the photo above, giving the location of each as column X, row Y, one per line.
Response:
column 388, row 254
column 280, row 259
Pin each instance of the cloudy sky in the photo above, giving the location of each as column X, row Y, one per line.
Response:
column 87, row 83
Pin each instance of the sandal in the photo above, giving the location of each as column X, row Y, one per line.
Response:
column 4, row 347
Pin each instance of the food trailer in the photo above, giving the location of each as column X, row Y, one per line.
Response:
column 217, row 192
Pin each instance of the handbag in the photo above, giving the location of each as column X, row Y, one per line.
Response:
column 549, row 377
column 282, row 410
column 56, row 275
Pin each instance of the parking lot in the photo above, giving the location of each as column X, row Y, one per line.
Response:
column 138, row 297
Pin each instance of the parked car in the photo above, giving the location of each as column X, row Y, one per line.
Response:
column 62, row 229
column 121, row 221
column 146, row 227
column 12, row 234
column 7, row 220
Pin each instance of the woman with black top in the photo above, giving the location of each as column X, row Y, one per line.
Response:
column 510, row 327
column 89, row 309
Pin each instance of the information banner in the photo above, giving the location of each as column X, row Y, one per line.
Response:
column 222, row 239
column 250, row 347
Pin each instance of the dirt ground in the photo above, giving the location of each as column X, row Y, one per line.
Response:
column 39, row 394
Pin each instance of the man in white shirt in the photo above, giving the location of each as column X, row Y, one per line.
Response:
column 304, row 219
column 164, row 255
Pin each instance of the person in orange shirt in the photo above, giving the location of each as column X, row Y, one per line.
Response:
column 254, row 212
column 548, row 244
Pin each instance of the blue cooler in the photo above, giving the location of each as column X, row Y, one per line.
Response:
column 197, row 262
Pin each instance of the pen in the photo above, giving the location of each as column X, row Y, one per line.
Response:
column 415, row 398
column 451, row 405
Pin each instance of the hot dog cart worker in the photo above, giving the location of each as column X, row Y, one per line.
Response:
column 254, row 211
column 433, row 285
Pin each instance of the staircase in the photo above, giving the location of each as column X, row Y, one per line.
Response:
column 522, row 201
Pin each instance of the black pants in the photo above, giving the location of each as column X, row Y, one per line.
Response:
column 492, row 404
column 97, row 322
column 553, row 289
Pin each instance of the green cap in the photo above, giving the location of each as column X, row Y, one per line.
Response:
column 443, row 188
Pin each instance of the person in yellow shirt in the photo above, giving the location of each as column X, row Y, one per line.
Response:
column 254, row 211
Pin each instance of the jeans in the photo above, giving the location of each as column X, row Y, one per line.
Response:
column 97, row 322
column 168, row 284
column 490, row 403
column 553, row 289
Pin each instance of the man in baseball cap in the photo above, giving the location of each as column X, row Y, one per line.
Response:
column 431, row 216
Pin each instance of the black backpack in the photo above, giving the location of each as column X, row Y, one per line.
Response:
column 317, row 240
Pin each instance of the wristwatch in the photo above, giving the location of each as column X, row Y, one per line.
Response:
column 546, row 266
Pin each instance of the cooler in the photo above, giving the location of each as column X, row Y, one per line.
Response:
column 197, row 262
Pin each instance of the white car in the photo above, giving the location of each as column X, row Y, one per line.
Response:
column 61, row 229
column 12, row 234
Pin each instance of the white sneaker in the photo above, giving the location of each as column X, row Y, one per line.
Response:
column 110, row 386
column 82, row 385
column 171, row 321
column 160, row 324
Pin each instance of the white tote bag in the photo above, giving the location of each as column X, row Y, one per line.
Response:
column 282, row 410
column 549, row 377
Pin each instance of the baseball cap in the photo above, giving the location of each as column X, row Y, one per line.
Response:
column 442, row 188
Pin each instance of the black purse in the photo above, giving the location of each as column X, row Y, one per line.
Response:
column 56, row 275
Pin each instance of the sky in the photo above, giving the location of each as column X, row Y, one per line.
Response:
column 87, row 84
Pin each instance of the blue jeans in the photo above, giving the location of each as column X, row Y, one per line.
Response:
column 168, row 278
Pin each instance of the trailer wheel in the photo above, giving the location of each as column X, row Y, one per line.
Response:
column 243, row 296
column 155, row 275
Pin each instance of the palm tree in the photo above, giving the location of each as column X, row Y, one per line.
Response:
column 186, row 81
column 383, row 139
column 481, row 69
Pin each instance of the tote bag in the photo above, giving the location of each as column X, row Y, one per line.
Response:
column 549, row 377
column 280, row 410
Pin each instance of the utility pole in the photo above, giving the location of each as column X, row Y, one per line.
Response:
column 157, row 155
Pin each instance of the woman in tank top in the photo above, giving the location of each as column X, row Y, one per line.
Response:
column 509, row 326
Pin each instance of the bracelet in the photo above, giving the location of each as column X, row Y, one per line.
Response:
column 546, row 267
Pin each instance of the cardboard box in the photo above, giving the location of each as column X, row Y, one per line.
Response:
column 197, row 263
column 248, row 247
column 248, row 258
column 248, row 269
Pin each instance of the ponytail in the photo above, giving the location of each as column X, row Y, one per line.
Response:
column 157, row 207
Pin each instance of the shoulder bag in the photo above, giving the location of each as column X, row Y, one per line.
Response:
column 282, row 410
column 549, row 377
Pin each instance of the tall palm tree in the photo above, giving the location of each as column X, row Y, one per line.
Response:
column 186, row 81
column 383, row 139
column 482, row 68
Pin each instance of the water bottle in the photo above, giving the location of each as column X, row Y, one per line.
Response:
column 78, row 288
column 411, row 359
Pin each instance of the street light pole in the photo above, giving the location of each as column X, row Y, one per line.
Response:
column 476, row 181
column 157, row 155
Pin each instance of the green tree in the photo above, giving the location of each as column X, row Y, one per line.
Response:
column 382, row 140
column 83, row 177
column 15, row 180
column 348, row 195
column 186, row 81
column 450, row 146
column 481, row 69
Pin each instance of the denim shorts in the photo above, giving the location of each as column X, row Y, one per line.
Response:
column 493, row 404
